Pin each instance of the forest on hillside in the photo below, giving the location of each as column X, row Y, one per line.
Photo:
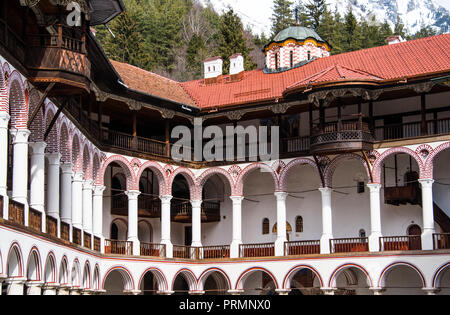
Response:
column 173, row 37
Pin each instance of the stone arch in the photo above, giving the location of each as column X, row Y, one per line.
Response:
column 161, row 279
column 249, row 169
column 16, row 101
column 343, row 268
column 438, row 275
column 76, row 274
column 158, row 170
column 34, row 271
column 379, row 162
column 429, row 164
column 127, row 278
column 289, row 276
column 37, row 125
column 189, row 276
column 95, row 165
column 285, row 171
column 126, row 167
column 331, row 168
column 385, row 273
column 190, row 178
column 206, row 175
column 3, row 91
column 96, row 278
column 50, row 271
column 14, row 263
column 87, row 283
column 65, row 145
column 64, row 271
column 76, row 154
column 204, row 276
column 53, row 145
column 87, row 163
column 241, row 280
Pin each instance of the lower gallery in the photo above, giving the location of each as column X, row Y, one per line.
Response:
column 91, row 202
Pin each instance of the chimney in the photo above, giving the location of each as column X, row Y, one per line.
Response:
column 395, row 39
column 236, row 64
column 213, row 67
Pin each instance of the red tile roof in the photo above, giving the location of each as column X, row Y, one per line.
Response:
column 410, row 59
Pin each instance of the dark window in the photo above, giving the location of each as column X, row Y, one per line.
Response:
column 266, row 227
column 362, row 233
column 361, row 187
column 114, row 232
column 276, row 61
column 299, row 224
column 291, row 58
column 309, row 55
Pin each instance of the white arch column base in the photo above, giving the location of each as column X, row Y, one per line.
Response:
column 237, row 226
column 50, row 289
column 281, row 223
column 165, row 225
column 428, row 213
column 375, row 217
column 15, row 286
column 34, row 288
column 327, row 221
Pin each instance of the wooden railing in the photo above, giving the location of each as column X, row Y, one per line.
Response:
column 76, row 236
column 51, row 225
column 65, row 231
column 151, row 146
column 35, row 219
column 16, row 212
column 400, row 243
column 149, row 206
column 153, row 250
column 97, row 244
column 295, row 145
column 441, row 241
column 119, row 140
column 87, row 240
column 412, row 129
column 299, row 248
column 349, row 245
column 184, row 252
column 214, row 252
column 119, row 247
column 257, row 250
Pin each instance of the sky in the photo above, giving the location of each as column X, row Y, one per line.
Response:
column 257, row 13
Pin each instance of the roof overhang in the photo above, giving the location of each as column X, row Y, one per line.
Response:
column 103, row 11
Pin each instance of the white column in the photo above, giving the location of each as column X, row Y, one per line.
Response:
column 4, row 120
column 37, row 179
column 34, row 288
column 281, row 223
column 237, row 226
column 375, row 217
column 49, row 289
column 66, row 193
column 77, row 200
column 327, row 221
column 20, row 168
column 15, row 286
column 97, row 217
column 428, row 213
column 133, row 220
column 53, row 185
column 165, row 225
column 87, row 206
column 196, row 223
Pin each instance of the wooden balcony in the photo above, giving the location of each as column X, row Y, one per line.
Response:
column 153, row 250
column 16, row 212
column 300, row 248
column 149, row 206
column 97, row 244
column 183, row 252
column 182, row 212
column 115, row 247
column 65, row 231
column 214, row 252
column 76, row 236
column 59, row 58
column 349, row 245
column 400, row 243
column 87, row 240
column 403, row 195
column 51, row 226
column 441, row 241
column 257, row 250
column 35, row 219
column 341, row 137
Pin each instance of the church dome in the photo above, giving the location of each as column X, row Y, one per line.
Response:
column 299, row 33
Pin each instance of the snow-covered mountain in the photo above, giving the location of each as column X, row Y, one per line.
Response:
column 414, row 13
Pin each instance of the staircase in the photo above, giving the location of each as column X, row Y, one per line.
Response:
column 441, row 218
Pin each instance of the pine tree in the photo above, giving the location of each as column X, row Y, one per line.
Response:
column 232, row 40
column 327, row 25
column 315, row 10
column 282, row 16
column 399, row 28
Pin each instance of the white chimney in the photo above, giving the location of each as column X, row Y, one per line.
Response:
column 213, row 67
column 395, row 39
column 236, row 64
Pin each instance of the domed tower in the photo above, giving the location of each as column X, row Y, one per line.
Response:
column 293, row 46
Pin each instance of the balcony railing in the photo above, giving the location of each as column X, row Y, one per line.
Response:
column 214, row 252
column 87, row 240
column 51, row 226
column 184, row 252
column 349, row 245
column 76, row 236
column 16, row 212
column 412, row 129
column 35, row 219
column 257, row 250
column 119, row 247
column 295, row 145
column 97, row 244
column 153, row 250
column 441, row 241
column 299, row 248
column 182, row 212
column 65, row 231
column 400, row 243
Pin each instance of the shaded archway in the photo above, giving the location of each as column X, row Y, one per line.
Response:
column 303, row 280
column 441, row 280
column 184, row 282
column 50, row 269
column 64, row 272
column 351, row 279
column 152, row 282
column 118, row 281
column 257, row 281
column 75, row 277
column 87, row 284
column 34, row 266
column 14, row 267
column 214, row 282
column 402, row 278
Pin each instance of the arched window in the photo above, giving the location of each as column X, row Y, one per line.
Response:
column 266, row 226
column 362, row 233
column 299, row 224
column 291, row 58
column 276, row 61
column 309, row 55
